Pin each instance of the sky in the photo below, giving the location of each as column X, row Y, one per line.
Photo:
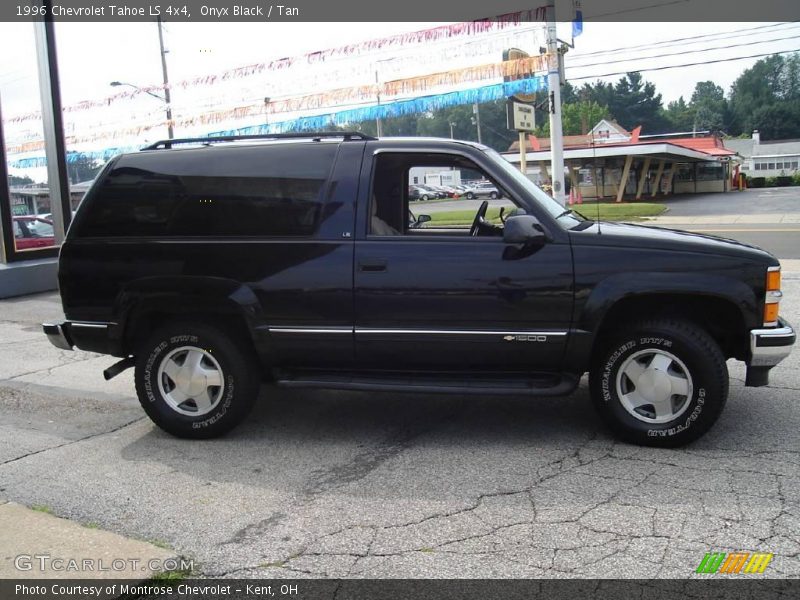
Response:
column 93, row 55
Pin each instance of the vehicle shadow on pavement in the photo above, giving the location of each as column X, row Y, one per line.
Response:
column 307, row 441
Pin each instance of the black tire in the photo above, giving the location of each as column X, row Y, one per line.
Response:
column 470, row 195
column 238, row 372
column 707, row 374
column 424, row 197
column 493, row 195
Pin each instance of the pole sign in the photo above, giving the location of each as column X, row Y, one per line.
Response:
column 520, row 116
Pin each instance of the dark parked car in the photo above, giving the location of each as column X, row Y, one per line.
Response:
column 224, row 264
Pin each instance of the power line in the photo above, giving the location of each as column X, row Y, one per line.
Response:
column 791, row 37
column 694, row 64
column 687, row 40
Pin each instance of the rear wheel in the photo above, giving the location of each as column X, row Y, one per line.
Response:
column 469, row 195
column 660, row 383
column 196, row 381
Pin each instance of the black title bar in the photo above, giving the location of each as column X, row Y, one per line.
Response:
column 409, row 10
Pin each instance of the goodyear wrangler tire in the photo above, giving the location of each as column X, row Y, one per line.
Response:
column 660, row 383
column 194, row 381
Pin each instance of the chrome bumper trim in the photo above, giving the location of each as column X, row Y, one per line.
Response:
column 55, row 333
column 770, row 346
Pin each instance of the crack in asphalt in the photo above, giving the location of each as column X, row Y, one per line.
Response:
column 70, row 442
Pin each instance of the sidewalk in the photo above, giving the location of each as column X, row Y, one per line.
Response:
column 37, row 545
column 35, row 380
column 762, row 219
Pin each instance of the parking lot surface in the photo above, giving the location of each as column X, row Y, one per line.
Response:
column 344, row 484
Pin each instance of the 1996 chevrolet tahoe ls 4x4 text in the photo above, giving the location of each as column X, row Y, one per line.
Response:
column 210, row 265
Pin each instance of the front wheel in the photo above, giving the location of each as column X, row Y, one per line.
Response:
column 470, row 195
column 195, row 381
column 660, row 383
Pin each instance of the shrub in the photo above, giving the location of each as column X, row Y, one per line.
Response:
column 796, row 178
column 755, row 182
column 784, row 180
column 771, row 182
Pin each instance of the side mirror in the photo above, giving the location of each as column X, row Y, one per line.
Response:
column 522, row 229
column 423, row 219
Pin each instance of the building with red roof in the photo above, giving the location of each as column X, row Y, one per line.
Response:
column 611, row 162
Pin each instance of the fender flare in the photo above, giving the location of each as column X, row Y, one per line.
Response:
column 622, row 286
column 169, row 294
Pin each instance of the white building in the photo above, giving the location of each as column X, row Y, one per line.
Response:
column 767, row 159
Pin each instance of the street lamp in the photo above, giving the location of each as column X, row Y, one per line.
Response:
column 136, row 87
column 154, row 95
column 451, row 130
column 166, row 98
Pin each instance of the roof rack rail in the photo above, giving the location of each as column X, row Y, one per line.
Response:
column 314, row 135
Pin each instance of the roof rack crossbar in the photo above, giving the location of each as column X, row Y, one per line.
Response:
column 314, row 135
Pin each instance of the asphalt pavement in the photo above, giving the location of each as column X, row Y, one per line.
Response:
column 747, row 202
column 348, row 484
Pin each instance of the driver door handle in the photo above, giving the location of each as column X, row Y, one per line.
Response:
column 372, row 266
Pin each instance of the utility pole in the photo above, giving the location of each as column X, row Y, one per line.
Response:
column 170, row 131
column 554, row 85
column 477, row 113
column 378, row 124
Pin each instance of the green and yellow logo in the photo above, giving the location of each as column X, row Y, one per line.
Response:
column 734, row 563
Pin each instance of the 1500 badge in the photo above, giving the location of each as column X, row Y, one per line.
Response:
column 525, row 338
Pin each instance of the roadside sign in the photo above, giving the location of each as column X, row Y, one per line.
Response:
column 520, row 116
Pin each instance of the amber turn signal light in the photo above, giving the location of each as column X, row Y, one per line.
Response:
column 773, row 281
column 771, row 313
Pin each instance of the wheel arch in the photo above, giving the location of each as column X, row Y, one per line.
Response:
column 723, row 306
column 150, row 303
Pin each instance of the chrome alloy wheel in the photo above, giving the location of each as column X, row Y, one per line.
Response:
column 191, row 381
column 654, row 386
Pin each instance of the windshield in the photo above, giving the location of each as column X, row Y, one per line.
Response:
column 40, row 228
column 566, row 217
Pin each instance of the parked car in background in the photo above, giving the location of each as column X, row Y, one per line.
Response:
column 446, row 190
column 33, row 232
column 424, row 192
column 483, row 190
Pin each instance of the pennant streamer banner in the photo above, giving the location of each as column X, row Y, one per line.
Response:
column 324, row 57
column 344, row 117
column 404, row 74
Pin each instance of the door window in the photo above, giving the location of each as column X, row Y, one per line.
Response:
column 434, row 194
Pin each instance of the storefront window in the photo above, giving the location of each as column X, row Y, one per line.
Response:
column 28, row 211
column 710, row 171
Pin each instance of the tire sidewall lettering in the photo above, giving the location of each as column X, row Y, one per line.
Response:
column 149, row 374
column 224, row 405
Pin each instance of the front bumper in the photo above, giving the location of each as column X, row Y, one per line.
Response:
column 94, row 336
column 770, row 346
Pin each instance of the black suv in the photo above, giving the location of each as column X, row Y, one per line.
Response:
column 213, row 264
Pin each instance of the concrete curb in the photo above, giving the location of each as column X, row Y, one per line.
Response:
column 763, row 219
column 38, row 545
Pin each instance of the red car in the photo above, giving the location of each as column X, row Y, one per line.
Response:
column 33, row 232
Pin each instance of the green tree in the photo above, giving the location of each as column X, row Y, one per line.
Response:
column 631, row 102
column 16, row 180
column 767, row 97
column 579, row 117
column 709, row 107
column 679, row 115
column 81, row 167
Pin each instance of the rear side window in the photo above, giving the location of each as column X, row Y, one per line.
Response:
column 225, row 192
